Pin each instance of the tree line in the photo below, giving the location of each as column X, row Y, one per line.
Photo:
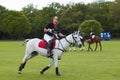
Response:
column 30, row 21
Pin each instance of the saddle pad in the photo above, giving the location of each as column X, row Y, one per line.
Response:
column 43, row 44
column 95, row 39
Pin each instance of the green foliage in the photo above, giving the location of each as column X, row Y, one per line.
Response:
column 3, row 11
column 105, row 12
column 115, row 17
column 71, row 20
column 87, row 25
column 100, row 12
column 30, row 12
column 15, row 24
column 40, row 18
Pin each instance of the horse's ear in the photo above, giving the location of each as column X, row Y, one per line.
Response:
column 78, row 31
column 75, row 32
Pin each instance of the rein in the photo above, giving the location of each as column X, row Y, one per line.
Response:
column 63, row 50
column 74, row 38
column 67, row 40
column 70, row 42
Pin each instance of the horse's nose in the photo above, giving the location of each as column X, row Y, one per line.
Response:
column 80, row 45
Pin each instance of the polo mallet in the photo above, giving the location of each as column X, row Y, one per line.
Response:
column 69, row 7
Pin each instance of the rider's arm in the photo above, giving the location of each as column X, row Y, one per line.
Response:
column 47, row 29
column 57, row 29
column 61, row 35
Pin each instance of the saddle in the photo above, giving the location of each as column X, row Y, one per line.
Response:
column 44, row 44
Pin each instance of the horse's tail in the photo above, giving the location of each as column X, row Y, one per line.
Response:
column 26, row 40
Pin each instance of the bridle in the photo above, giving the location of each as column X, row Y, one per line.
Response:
column 74, row 41
column 63, row 50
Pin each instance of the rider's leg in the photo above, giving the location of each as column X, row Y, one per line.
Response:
column 92, row 38
column 48, row 39
column 49, row 48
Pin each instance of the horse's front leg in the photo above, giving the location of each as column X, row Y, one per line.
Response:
column 74, row 49
column 88, row 47
column 47, row 67
column 56, row 65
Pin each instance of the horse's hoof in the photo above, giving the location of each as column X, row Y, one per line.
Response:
column 81, row 49
column 58, row 74
column 74, row 50
column 19, row 72
column 41, row 72
column 59, row 58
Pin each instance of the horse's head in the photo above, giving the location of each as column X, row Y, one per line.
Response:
column 77, row 39
column 86, row 36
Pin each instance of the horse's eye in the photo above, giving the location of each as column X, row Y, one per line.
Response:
column 75, row 37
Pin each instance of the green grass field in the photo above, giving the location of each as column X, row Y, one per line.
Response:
column 77, row 65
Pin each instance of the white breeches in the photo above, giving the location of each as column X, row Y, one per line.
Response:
column 47, row 37
column 93, row 36
column 81, row 37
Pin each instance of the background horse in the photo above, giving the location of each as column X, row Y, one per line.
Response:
column 96, row 40
column 32, row 50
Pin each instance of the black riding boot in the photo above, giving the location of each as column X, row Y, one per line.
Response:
column 49, row 53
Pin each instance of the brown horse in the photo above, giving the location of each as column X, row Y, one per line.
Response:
column 96, row 40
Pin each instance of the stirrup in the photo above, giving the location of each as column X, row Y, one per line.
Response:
column 49, row 55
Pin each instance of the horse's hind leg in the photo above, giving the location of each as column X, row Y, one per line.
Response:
column 88, row 47
column 22, row 65
column 100, row 46
column 99, row 41
column 27, row 57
